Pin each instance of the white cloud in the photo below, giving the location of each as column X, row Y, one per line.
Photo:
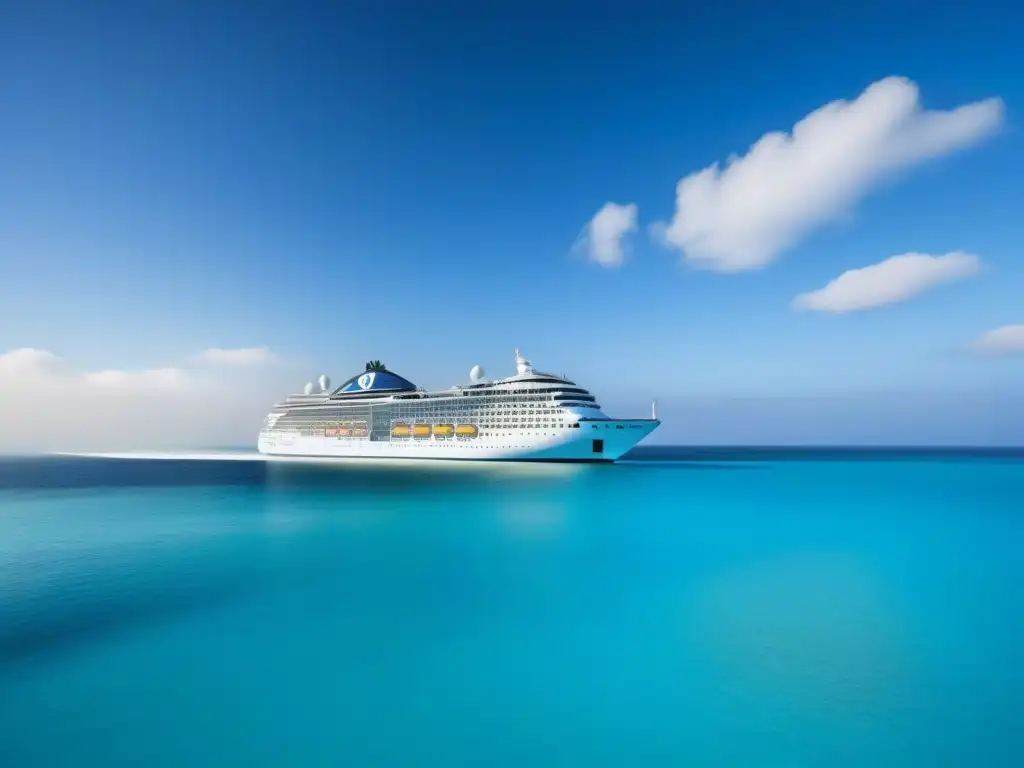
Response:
column 1004, row 340
column 46, row 404
column 603, row 235
column 743, row 216
column 27, row 364
column 896, row 279
column 240, row 356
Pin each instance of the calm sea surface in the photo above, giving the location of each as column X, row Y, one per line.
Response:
column 687, row 608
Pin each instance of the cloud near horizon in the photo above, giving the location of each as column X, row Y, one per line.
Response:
column 1006, row 339
column 787, row 185
column 603, row 236
column 893, row 280
column 48, row 405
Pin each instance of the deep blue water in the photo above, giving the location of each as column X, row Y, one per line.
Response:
column 690, row 608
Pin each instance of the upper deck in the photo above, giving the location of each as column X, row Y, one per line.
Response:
column 383, row 386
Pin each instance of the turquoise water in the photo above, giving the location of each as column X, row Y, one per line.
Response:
column 688, row 608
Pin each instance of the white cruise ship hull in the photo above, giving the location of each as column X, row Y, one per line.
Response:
column 531, row 416
column 602, row 440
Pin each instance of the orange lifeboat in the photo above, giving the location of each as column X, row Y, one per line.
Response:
column 467, row 430
column 345, row 429
column 331, row 430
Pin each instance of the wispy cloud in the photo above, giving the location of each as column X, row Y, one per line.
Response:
column 896, row 279
column 239, row 356
column 1006, row 339
column 48, row 404
column 743, row 216
column 603, row 236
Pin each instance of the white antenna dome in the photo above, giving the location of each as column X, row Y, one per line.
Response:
column 308, row 389
column 522, row 364
column 325, row 382
column 476, row 373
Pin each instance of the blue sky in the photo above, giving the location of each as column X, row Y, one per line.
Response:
column 382, row 180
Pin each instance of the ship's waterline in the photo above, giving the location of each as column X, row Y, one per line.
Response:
column 530, row 416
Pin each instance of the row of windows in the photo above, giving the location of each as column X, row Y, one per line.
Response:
column 481, row 394
column 515, row 420
column 319, row 428
column 525, row 392
column 463, row 444
column 298, row 422
column 530, row 380
column 471, row 408
column 483, row 398
column 384, row 427
column 535, row 428
column 392, row 412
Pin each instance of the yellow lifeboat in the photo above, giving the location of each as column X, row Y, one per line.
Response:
column 466, row 430
column 400, row 430
column 421, row 430
column 444, row 430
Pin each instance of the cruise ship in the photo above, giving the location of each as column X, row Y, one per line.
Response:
column 530, row 416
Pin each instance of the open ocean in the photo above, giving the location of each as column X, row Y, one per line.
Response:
column 686, row 608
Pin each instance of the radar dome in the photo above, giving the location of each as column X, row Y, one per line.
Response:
column 325, row 382
column 476, row 373
column 308, row 389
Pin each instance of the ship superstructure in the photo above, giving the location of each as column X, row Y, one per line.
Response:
column 530, row 416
